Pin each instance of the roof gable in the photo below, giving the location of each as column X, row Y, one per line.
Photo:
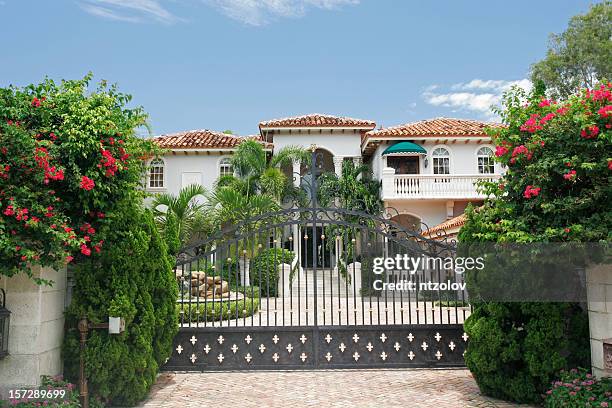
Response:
column 318, row 120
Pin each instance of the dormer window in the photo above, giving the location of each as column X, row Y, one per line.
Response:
column 156, row 173
column 486, row 164
column 441, row 161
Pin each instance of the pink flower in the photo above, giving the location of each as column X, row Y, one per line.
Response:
column 531, row 191
column 545, row 102
column 500, row 151
column 531, row 125
column 85, row 251
column 604, row 404
column 547, row 118
column 605, row 111
column 87, row 183
column 69, row 259
column 571, row 175
column 590, row 132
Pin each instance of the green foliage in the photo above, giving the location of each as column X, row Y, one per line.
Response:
column 355, row 189
column 68, row 155
column 515, row 349
column 580, row 56
column 557, row 189
column 180, row 217
column 208, row 311
column 133, row 278
column 264, row 269
column 577, row 388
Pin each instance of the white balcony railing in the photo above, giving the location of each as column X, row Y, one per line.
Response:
column 432, row 186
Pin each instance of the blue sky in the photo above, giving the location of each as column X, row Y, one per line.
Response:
column 228, row 64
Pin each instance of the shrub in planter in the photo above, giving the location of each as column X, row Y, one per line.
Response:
column 264, row 271
column 557, row 188
column 132, row 278
column 219, row 310
column 578, row 388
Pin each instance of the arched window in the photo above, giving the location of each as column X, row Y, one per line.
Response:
column 225, row 167
column 486, row 165
column 441, row 161
column 156, row 173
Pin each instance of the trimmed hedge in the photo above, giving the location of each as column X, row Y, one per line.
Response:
column 264, row 269
column 132, row 278
column 219, row 310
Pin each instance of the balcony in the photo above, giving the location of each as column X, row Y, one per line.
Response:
column 432, row 186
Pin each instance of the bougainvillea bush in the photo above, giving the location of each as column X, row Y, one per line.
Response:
column 67, row 156
column 577, row 388
column 557, row 188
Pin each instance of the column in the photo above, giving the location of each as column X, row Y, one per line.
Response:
column 338, row 165
column 297, row 166
column 450, row 209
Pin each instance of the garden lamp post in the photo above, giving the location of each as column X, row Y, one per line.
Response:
column 5, row 317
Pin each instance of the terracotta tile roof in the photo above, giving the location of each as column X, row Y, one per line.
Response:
column 446, row 226
column 435, row 128
column 202, row 139
column 318, row 120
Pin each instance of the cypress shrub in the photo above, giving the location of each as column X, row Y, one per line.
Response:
column 132, row 278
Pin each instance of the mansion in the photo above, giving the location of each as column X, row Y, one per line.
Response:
column 428, row 169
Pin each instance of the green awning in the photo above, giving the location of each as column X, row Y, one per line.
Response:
column 404, row 148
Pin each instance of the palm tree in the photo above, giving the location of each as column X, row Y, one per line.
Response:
column 181, row 217
column 254, row 173
column 229, row 207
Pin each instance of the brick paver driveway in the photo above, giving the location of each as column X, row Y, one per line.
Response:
column 322, row 388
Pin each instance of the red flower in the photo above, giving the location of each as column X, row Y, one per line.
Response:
column 571, row 175
column 500, row 151
column 36, row 102
column 67, row 229
column 85, row 251
column 590, row 132
column 69, row 259
column 91, row 230
column 87, row 183
column 545, row 102
column 609, row 164
column 567, row 230
column 9, row 211
column 531, row 191
column 531, row 125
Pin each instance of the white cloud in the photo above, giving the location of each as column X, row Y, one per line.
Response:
column 260, row 12
column 129, row 10
column 477, row 95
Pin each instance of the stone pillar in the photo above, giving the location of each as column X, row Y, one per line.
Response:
column 599, row 294
column 338, row 165
column 36, row 329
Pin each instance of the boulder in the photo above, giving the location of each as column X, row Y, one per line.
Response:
column 210, row 280
column 218, row 279
column 222, row 287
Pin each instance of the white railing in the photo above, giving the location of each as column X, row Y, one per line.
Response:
column 432, row 186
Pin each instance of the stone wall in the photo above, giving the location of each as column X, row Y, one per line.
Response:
column 599, row 293
column 36, row 328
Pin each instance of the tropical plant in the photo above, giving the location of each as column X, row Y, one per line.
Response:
column 355, row 189
column 181, row 218
column 69, row 155
column 579, row 57
column 254, row 173
column 557, row 188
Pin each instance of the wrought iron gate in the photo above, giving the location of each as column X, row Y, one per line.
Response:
column 248, row 299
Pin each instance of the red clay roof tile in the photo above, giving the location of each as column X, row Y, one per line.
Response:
column 202, row 139
column 318, row 120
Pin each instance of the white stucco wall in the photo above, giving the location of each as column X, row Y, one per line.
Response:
column 599, row 293
column 346, row 144
column 431, row 212
column 463, row 157
column 181, row 170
